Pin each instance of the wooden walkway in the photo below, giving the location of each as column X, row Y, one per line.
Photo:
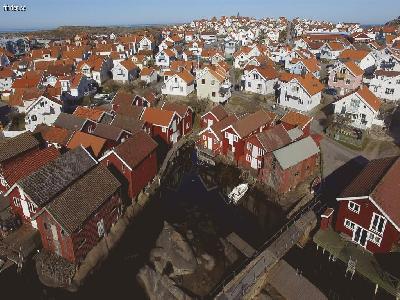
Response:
column 292, row 286
column 240, row 244
column 239, row 286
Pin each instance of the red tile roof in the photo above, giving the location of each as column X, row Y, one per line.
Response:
column 19, row 168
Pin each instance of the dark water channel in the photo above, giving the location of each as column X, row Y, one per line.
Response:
column 190, row 206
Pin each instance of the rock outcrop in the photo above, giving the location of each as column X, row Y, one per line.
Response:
column 172, row 255
column 159, row 286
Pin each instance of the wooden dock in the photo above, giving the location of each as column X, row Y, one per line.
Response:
column 240, row 244
column 290, row 285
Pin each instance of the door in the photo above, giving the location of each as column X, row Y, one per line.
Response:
column 210, row 143
column 254, row 163
column 360, row 236
column 56, row 242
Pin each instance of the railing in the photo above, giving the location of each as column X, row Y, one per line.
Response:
column 314, row 204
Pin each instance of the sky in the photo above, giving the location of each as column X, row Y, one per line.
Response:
column 53, row 13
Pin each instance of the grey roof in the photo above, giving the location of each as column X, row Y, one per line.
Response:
column 69, row 121
column 83, row 198
column 108, row 132
column 296, row 152
column 10, row 148
column 46, row 183
column 295, row 133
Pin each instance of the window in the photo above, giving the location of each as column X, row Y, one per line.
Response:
column 347, row 81
column 42, row 104
column 203, row 81
column 33, row 118
column 213, row 94
column 212, row 82
column 255, row 76
column 349, row 224
column 31, row 207
column 45, row 226
column 226, row 135
column 398, row 81
column 123, row 168
column 389, row 91
column 378, row 224
column 163, row 129
column 354, row 207
column 249, row 146
column 100, row 228
column 235, row 138
column 248, row 158
column 204, row 137
column 374, row 238
column 249, row 84
column 17, row 201
column 258, row 164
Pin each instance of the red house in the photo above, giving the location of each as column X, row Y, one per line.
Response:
column 294, row 119
column 185, row 112
column 217, row 114
column 136, row 161
column 149, row 99
column 260, row 144
column 24, row 165
column 285, row 168
column 234, row 135
column 369, row 208
column 29, row 195
column 19, row 147
column 162, row 123
column 211, row 137
column 77, row 218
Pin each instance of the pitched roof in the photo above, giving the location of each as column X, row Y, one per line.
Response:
column 68, row 121
column 353, row 68
column 147, row 71
column 88, row 113
column 108, row 132
column 296, row 152
column 157, row 116
column 54, row 134
column 135, row 149
column 128, row 123
column 44, row 184
column 311, row 84
column 352, row 54
column 128, row 64
column 366, row 181
column 179, row 108
column 225, row 122
column 10, row 148
column 83, row 198
column 95, row 143
column 219, row 112
column 296, row 119
column 387, row 73
column 267, row 72
column 252, row 122
column 21, row 167
column 369, row 97
column 274, row 138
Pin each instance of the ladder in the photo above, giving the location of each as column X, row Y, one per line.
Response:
column 351, row 267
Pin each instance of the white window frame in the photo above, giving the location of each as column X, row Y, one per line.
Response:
column 371, row 226
column 163, row 129
column 349, row 224
column 17, row 201
column 352, row 207
column 374, row 238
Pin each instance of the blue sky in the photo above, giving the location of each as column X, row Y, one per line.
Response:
column 52, row 13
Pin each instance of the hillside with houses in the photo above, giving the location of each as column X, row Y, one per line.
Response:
column 96, row 124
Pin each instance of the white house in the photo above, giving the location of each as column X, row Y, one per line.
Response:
column 164, row 58
column 125, row 71
column 364, row 59
column 42, row 111
column 261, row 80
column 148, row 75
column 303, row 66
column 213, row 83
column 7, row 77
column 301, row 93
column 362, row 106
column 178, row 83
column 386, row 85
column 331, row 50
column 388, row 59
column 146, row 43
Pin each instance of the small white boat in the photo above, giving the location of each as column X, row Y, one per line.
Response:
column 238, row 192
